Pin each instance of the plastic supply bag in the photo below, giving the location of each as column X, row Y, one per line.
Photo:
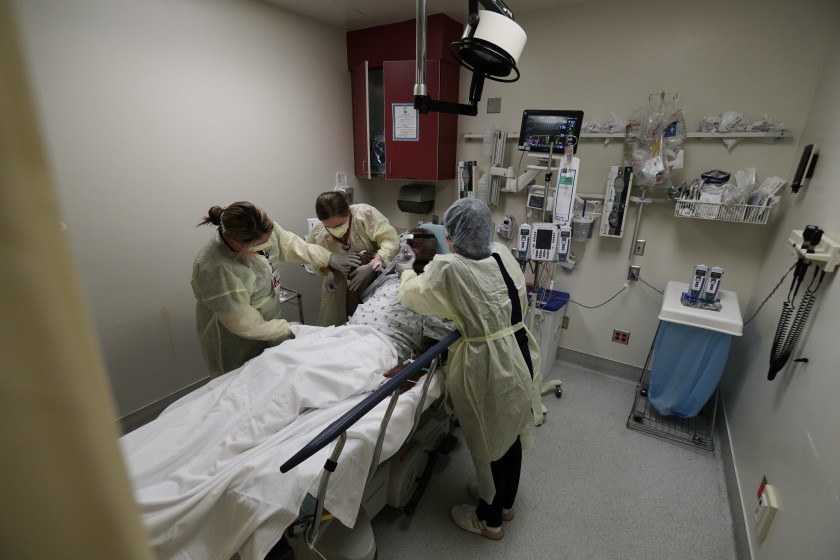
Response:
column 654, row 142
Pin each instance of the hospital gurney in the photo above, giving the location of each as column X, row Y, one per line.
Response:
column 358, row 544
column 207, row 472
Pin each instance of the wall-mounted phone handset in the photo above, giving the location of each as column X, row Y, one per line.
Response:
column 793, row 318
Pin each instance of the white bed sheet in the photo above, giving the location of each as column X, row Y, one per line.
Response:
column 206, row 473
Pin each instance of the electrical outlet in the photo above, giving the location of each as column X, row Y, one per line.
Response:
column 633, row 273
column 622, row 337
column 565, row 323
column 766, row 509
column 639, row 249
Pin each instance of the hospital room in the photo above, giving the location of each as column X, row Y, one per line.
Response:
column 657, row 180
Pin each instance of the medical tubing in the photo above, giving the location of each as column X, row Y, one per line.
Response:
column 352, row 416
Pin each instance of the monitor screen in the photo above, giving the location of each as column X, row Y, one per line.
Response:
column 543, row 240
column 540, row 127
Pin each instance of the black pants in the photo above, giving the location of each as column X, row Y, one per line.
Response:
column 506, row 473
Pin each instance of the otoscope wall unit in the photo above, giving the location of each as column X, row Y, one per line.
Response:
column 826, row 254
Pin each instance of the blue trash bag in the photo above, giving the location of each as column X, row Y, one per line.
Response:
column 687, row 367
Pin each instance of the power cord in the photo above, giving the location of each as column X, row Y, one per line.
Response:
column 782, row 279
column 602, row 304
column 633, row 278
column 639, row 278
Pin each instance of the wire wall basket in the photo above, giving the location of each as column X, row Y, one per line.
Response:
column 740, row 213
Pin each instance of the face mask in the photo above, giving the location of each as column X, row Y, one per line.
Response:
column 260, row 247
column 339, row 231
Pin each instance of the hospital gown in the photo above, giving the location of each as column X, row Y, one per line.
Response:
column 409, row 331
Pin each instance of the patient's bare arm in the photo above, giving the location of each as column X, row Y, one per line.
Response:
column 409, row 383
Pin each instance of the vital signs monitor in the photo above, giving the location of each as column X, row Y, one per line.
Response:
column 541, row 127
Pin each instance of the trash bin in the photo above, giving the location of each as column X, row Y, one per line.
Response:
column 551, row 308
column 690, row 351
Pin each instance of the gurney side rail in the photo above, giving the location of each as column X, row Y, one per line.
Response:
column 353, row 415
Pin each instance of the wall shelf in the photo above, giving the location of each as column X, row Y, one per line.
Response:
column 740, row 213
column 617, row 135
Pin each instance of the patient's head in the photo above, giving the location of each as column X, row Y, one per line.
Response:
column 424, row 245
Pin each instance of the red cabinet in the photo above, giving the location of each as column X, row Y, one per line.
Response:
column 390, row 138
column 419, row 146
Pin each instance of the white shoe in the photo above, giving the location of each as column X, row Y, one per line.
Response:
column 472, row 488
column 465, row 518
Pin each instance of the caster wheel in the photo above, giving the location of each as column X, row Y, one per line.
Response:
column 558, row 392
column 637, row 418
column 643, row 392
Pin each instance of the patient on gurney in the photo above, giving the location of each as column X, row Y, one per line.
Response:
column 409, row 331
column 206, row 472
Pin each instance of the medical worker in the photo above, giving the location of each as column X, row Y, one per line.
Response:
column 235, row 279
column 357, row 228
column 493, row 376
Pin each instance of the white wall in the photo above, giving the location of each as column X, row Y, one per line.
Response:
column 151, row 113
column 749, row 56
column 787, row 429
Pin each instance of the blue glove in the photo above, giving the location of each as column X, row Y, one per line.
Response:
column 357, row 278
column 345, row 261
column 405, row 260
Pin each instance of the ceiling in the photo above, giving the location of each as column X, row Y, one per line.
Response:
column 358, row 14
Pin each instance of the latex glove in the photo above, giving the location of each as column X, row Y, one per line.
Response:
column 357, row 278
column 329, row 281
column 285, row 331
column 345, row 261
column 405, row 260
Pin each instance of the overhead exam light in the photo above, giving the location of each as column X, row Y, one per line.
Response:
column 490, row 48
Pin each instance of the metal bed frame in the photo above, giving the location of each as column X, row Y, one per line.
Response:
column 338, row 429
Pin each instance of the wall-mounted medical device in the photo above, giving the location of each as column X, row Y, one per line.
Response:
column 812, row 246
column 564, row 191
column 616, row 199
column 507, row 227
column 542, row 127
column 467, row 178
column 824, row 252
column 564, row 243
column 698, row 281
column 805, row 169
column 544, row 241
column 523, row 244
column 537, row 199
